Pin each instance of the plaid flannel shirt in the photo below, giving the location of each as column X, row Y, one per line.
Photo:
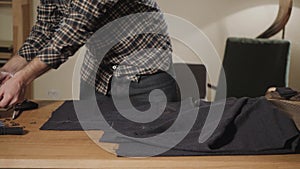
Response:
column 63, row 26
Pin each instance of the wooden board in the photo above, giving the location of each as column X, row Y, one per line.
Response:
column 74, row 149
column 5, row 2
column 5, row 56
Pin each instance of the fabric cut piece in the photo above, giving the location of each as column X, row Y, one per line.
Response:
column 249, row 126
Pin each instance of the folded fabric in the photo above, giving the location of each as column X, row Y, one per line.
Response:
column 283, row 93
column 286, row 93
column 248, row 126
column 96, row 116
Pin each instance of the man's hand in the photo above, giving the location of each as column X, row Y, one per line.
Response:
column 12, row 92
column 11, row 88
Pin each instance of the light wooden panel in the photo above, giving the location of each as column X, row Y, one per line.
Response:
column 22, row 22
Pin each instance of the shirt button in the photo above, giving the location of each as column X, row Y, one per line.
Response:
column 114, row 67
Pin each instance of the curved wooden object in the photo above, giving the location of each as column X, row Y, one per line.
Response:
column 284, row 13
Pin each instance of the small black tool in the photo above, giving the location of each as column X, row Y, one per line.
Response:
column 25, row 105
column 11, row 131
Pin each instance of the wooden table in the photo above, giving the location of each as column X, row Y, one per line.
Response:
column 74, row 149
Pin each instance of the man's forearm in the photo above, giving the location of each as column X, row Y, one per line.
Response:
column 15, row 64
column 31, row 71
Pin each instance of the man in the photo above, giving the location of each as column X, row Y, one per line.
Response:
column 63, row 26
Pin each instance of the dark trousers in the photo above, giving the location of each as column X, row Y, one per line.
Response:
column 138, row 91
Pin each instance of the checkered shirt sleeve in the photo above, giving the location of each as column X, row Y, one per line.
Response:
column 54, row 37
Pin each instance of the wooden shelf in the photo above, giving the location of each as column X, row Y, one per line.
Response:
column 6, row 48
column 21, row 14
column 5, row 2
column 4, row 55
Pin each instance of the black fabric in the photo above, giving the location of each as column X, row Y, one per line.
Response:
column 248, row 126
column 286, row 92
column 63, row 118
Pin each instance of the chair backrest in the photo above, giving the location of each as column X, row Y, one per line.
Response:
column 251, row 66
column 199, row 77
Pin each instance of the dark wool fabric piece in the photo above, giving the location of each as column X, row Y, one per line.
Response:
column 249, row 126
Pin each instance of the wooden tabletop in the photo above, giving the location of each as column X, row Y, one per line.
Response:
column 74, row 149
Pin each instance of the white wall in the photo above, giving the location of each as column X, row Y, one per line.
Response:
column 217, row 19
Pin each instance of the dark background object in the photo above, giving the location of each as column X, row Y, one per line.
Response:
column 251, row 66
column 182, row 75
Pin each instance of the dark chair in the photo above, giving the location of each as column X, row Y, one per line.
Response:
column 191, row 76
column 251, row 66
